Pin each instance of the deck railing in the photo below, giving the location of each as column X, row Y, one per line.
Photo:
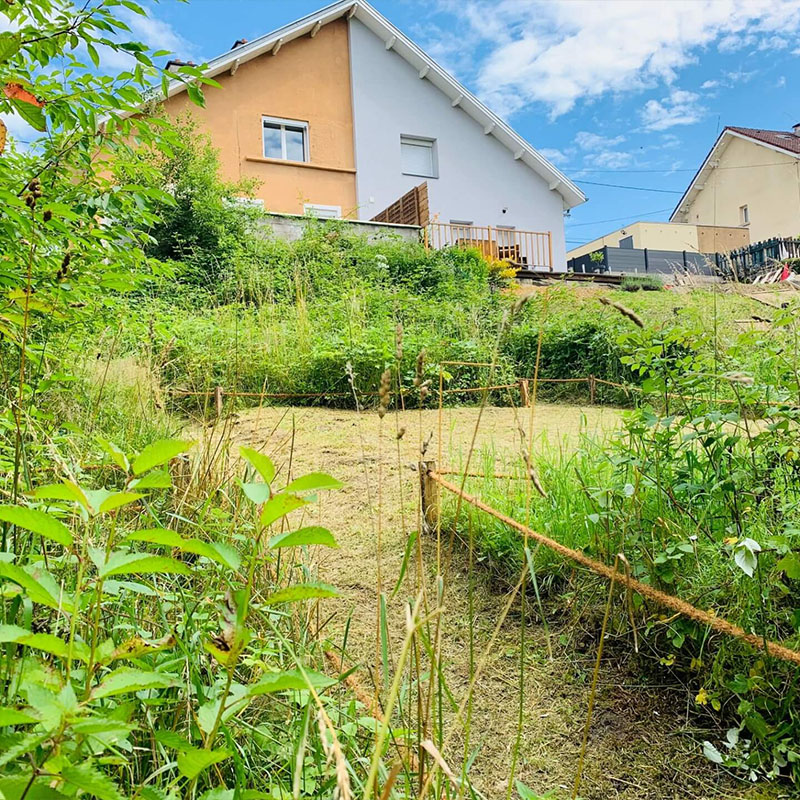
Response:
column 524, row 249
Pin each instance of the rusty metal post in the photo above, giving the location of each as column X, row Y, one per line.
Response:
column 524, row 393
column 218, row 400
column 429, row 496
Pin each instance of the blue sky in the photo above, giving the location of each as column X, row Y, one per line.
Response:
column 625, row 92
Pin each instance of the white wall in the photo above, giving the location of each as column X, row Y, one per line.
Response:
column 478, row 176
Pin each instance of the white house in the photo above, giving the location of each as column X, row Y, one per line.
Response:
column 341, row 114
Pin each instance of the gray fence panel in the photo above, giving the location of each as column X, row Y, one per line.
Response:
column 664, row 262
column 625, row 259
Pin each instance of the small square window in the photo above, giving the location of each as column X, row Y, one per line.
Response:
column 744, row 215
column 418, row 156
column 285, row 139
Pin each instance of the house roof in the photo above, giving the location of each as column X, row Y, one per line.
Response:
column 427, row 68
column 783, row 141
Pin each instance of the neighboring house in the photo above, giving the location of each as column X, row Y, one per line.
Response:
column 671, row 236
column 750, row 178
column 341, row 115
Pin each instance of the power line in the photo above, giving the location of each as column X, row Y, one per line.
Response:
column 668, row 170
column 632, row 188
column 616, row 219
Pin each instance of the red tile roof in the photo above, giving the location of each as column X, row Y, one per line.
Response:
column 786, row 140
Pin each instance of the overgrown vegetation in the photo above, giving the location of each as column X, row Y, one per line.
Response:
column 699, row 492
column 161, row 632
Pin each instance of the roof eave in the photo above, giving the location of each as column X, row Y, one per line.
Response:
column 382, row 27
column 707, row 165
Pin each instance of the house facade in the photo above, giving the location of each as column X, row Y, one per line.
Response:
column 669, row 236
column 340, row 115
column 750, row 178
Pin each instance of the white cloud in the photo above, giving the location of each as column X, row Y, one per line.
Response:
column 610, row 159
column 678, row 108
column 554, row 155
column 709, row 84
column 157, row 33
column 781, row 82
column 152, row 31
column 593, row 141
column 558, row 52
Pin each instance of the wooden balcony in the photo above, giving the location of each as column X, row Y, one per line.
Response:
column 531, row 250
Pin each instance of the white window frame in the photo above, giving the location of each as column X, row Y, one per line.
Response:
column 282, row 125
column 310, row 208
column 744, row 215
column 420, row 141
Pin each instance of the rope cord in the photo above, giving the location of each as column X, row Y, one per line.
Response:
column 662, row 598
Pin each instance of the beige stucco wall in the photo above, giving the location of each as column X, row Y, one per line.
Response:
column 716, row 239
column 308, row 80
column 765, row 180
column 669, row 236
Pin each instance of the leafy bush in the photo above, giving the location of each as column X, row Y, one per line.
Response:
column 647, row 283
column 704, row 502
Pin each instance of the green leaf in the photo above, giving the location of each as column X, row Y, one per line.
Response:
column 263, row 464
column 746, row 556
column 33, row 115
column 12, row 716
column 119, row 499
column 404, row 566
column 142, row 564
column 257, row 493
column 116, row 454
column 301, row 591
column 10, row 44
column 38, row 584
column 46, row 642
column 158, row 453
column 314, row 534
column 313, row 482
column 790, row 564
column 37, row 521
column 174, row 741
column 528, row 794
column 90, row 780
column 93, row 54
column 66, row 490
column 279, row 506
column 220, row 793
column 193, row 762
column 195, row 95
column 15, row 787
column 222, row 554
column 289, row 680
column 125, row 679
column 21, row 745
column 155, row 480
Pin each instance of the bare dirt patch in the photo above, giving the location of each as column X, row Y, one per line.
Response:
column 642, row 744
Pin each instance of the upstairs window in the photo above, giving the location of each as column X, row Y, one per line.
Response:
column 285, row 139
column 744, row 215
column 418, row 156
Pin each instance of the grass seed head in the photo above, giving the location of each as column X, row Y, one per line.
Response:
column 398, row 342
column 420, row 368
column 384, row 393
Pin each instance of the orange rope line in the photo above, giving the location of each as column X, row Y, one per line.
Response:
column 497, row 475
column 662, row 598
column 464, row 390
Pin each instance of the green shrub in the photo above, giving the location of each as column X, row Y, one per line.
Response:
column 647, row 283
